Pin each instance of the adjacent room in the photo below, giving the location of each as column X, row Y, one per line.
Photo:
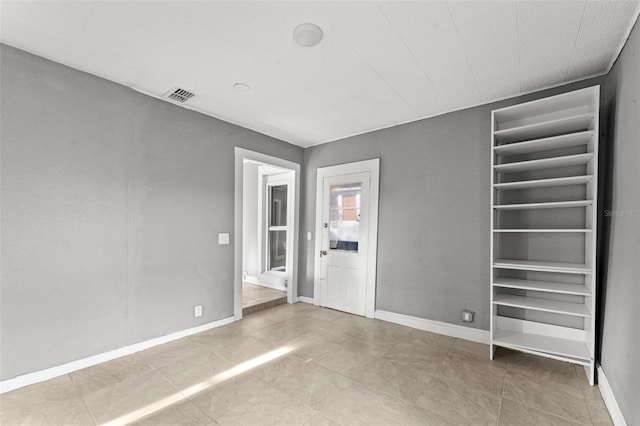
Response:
column 319, row 213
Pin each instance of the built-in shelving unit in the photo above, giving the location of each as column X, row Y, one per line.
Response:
column 543, row 230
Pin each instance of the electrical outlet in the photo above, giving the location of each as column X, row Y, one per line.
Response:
column 467, row 315
column 197, row 311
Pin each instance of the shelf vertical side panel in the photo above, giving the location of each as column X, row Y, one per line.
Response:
column 494, row 215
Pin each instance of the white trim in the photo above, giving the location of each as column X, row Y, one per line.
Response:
column 242, row 154
column 373, row 167
column 252, row 280
column 305, row 299
column 50, row 373
column 453, row 330
column 610, row 399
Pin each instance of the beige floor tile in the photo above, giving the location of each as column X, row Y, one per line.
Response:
column 464, row 405
column 514, row 413
column 479, row 358
column 328, row 368
column 356, row 405
column 460, row 369
column 428, row 337
column 320, row 420
column 284, row 366
column 106, row 374
column 309, row 347
column 417, row 357
column 247, row 324
column 312, row 385
column 420, row 417
column 277, row 333
column 136, row 395
column 542, row 368
column 184, row 413
column 373, row 346
column 196, row 371
column 564, row 400
column 323, row 328
column 54, row 402
column 385, row 376
column 328, row 314
column 343, row 360
column 269, row 407
column 238, row 348
column 225, row 396
column 167, row 353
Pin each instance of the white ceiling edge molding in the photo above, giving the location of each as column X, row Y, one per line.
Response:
column 504, row 98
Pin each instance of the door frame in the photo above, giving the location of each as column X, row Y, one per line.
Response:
column 242, row 154
column 373, row 167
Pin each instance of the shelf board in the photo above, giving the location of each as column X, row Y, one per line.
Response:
column 546, row 286
column 544, row 305
column 550, row 205
column 575, row 350
column 542, row 230
column 574, row 123
column 545, row 144
column 545, row 163
column 532, row 265
column 540, row 183
column 556, row 103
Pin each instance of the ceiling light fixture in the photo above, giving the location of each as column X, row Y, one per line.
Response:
column 307, row 35
column 241, row 87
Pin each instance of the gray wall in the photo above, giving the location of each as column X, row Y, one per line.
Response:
column 111, row 204
column 433, row 237
column 621, row 279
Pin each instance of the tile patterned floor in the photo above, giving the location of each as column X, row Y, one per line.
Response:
column 303, row 365
column 258, row 298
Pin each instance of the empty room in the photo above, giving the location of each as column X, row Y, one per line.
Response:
column 319, row 212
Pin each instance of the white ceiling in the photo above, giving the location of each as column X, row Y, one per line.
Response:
column 380, row 63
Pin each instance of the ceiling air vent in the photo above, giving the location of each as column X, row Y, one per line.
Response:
column 180, row 95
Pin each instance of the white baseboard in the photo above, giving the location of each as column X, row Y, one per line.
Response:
column 305, row 299
column 467, row 333
column 610, row 399
column 253, row 280
column 50, row 373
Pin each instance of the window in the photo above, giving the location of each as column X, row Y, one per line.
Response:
column 276, row 241
column 344, row 217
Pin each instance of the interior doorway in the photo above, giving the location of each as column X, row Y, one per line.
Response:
column 346, row 243
column 266, row 231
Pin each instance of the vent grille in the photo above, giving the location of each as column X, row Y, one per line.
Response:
column 180, row 95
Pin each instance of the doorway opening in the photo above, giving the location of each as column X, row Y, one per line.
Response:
column 266, row 224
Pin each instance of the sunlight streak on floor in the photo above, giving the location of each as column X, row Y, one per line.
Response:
column 199, row 387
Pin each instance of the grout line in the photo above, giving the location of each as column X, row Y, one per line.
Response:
column 75, row 388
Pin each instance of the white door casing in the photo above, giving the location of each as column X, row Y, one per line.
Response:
column 345, row 267
column 242, row 154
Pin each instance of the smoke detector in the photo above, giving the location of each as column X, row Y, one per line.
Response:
column 179, row 95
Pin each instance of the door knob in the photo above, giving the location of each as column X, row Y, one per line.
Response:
column 323, row 253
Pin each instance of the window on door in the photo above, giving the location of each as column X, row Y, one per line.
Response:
column 344, row 217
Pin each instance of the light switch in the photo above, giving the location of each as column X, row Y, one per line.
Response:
column 309, row 236
column 223, row 238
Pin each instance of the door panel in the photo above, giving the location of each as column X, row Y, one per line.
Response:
column 345, row 233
